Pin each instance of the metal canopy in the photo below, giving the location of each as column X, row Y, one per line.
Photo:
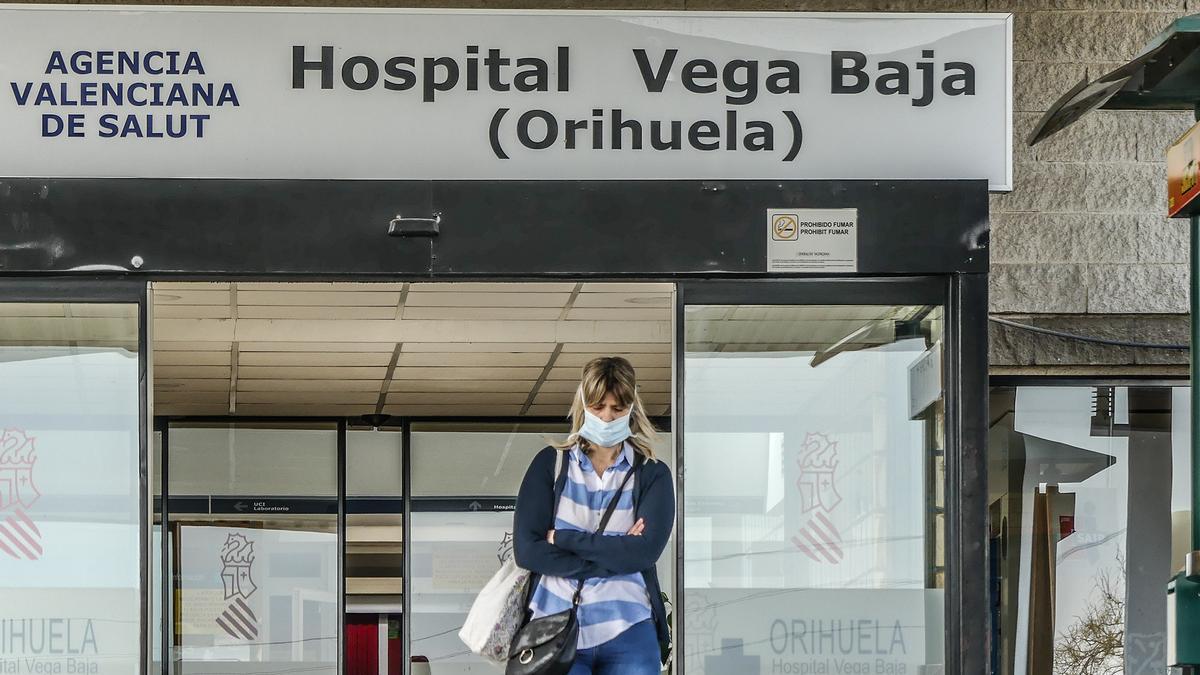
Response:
column 1164, row 76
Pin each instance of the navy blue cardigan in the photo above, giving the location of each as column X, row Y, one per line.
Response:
column 579, row 555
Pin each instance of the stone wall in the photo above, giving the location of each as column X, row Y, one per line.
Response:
column 1080, row 243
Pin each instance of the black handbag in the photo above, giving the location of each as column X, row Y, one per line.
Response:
column 546, row 646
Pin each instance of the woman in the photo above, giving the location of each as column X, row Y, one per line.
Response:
column 622, row 621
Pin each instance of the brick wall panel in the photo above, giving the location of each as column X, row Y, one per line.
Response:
column 1102, row 136
column 1163, row 240
column 1065, row 238
column 1090, row 5
column 1125, row 188
column 1137, row 289
column 1051, row 289
column 1085, row 37
column 1157, row 130
column 1038, row 85
column 1045, row 186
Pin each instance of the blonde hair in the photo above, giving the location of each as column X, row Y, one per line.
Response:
column 602, row 376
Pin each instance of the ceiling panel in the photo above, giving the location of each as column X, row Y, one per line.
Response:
column 486, row 287
column 598, row 348
column 180, row 409
column 605, row 287
column 311, row 372
column 189, row 346
column 523, row 386
column 454, row 410
column 472, row 359
column 189, row 397
column 324, row 313
column 164, row 297
column 304, row 409
column 468, row 373
column 363, row 297
column 282, row 397
column 625, row 300
column 457, row 398
column 483, row 313
column 385, row 347
column 578, row 360
column 331, row 358
column 310, row 286
column 183, row 384
column 495, row 347
column 466, row 349
column 192, row 311
column 618, row 315
column 309, row 385
column 571, row 384
column 214, row 358
column 172, row 286
column 192, row 372
column 446, row 299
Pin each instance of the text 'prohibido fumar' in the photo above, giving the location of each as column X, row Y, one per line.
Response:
column 737, row 83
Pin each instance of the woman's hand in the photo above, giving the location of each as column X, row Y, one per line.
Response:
column 550, row 536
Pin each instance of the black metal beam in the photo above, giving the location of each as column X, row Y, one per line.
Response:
column 326, row 229
column 968, row 617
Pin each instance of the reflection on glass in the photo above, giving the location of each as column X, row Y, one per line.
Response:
column 374, row 552
column 464, row 486
column 814, row 501
column 69, row 489
column 253, row 512
column 1081, row 525
column 156, row 627
column 465, row 480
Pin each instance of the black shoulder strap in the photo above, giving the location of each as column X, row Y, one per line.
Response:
column 608, row 512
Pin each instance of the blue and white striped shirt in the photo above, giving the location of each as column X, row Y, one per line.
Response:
column 607, row 607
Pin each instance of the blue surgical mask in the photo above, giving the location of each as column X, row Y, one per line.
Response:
column 605, row 434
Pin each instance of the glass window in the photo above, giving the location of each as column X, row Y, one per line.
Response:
column 69, row 488
column 253, row 517
column 813, row 439
column 464, row 482
column 374, row 552
column 1084, row 536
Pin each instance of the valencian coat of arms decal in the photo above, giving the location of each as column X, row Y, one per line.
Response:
column 237, row 576
column 20, row 537
column 818, row 538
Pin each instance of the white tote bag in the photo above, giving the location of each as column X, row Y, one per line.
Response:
column 496, row 614
column 498, row 610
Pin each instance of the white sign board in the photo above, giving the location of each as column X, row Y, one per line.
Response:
column 925, row 381
column 440, row 95
column 812, row 240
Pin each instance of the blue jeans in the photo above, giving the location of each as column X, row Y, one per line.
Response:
column 634, row 652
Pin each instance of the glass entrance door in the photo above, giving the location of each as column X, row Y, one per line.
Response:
column 814, row 501
column 72, row 503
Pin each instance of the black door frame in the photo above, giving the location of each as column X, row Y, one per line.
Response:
column 80, row 289
column 965, row 382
